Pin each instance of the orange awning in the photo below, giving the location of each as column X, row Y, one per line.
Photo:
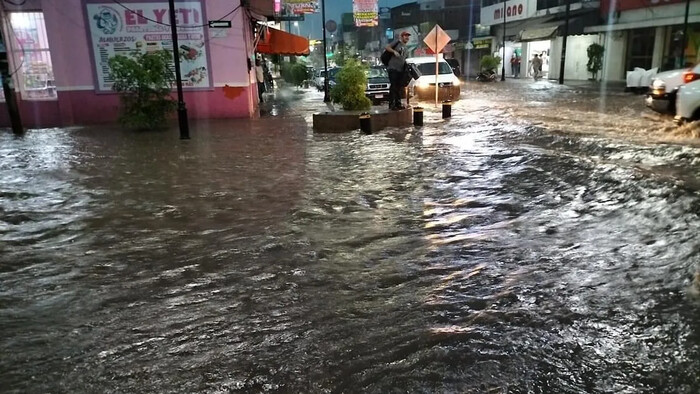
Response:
column 278, row 42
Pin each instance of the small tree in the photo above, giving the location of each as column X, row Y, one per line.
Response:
column 489, row 63
column 350, row 88
column 595, row 59
column 144, row 82
column 294, row 73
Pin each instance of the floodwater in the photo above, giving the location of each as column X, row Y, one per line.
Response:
column 487, row 253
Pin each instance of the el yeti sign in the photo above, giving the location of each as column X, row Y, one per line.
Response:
column 515, row 10
column 142, row 26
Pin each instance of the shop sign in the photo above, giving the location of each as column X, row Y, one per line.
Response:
column 300, row 7
column 625, row 5
column 481, row 44
column 514, row 10
column 365, row 13
column 145, row 27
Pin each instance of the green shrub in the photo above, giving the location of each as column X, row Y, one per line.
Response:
column 489, row 63
column 144, row 82
column 294, row 73
column 595, row 59
column 351, row 82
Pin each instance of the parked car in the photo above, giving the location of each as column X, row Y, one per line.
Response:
column 688, row 98
column 663, row 90
column 377, row 84
column 332, row 73
column 456, row 68
column 424, row 87
column 319, row 77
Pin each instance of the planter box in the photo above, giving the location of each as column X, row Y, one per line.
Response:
column 343, row 121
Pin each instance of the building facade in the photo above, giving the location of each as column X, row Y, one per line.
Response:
column 525, row 28
column 648, row 34
column 59, row 52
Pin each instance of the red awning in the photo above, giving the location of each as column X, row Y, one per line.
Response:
column 278, row 42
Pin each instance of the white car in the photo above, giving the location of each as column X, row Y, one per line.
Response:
column 688, row 101
column 424, row 87
column 319, row 77
column 663, row 90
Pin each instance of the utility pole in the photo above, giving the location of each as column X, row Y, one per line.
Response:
column 563, row 45
column 7, row 88
column 685, row 33
column 326, row 98
column 503, row 69
column 181, row 108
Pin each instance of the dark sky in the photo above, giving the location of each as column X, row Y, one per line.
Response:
column 311, row 26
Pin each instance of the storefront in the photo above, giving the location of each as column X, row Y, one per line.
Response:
column 60, row 57
column 650, row 35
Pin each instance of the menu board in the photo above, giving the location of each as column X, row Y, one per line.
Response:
column 139, row 27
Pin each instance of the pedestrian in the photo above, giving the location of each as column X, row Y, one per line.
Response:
column 512, row 65
column 260, row 77
column 267, row 76
column 536, row 67
column 517, row 66
column 397, row 68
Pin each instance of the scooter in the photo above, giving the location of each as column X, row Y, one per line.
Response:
column 486, row 76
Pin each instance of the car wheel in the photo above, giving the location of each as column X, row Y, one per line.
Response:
column 696, row 115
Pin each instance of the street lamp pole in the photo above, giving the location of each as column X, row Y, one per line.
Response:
column 563, row 45
column 326, row 98
column 503, row 69
column 181, row 108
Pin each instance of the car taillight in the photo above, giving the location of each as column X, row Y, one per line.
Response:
column 690, row 76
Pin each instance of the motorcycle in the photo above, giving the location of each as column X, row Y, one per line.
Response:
column 486, row 76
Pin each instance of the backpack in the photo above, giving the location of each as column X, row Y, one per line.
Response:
column 386, row 55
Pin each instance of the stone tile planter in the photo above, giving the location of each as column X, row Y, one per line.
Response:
column 343, row 121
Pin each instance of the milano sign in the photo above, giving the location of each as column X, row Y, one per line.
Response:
column 514, row 10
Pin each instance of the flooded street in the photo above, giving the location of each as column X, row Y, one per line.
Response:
column 519, row 247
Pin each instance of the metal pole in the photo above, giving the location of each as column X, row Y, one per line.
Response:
column 503, row 69
column 181, row 108
column 563, row 45
column 437, row 59
column 326, row 97
column 7, row 88
column 685, row 33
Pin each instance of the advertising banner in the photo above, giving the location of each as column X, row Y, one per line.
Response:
column 365, row 12
column 300, row 6
column 139, row 27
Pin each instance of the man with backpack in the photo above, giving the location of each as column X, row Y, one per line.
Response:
column 394, row 58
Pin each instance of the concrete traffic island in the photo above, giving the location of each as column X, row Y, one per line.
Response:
column 343, row 121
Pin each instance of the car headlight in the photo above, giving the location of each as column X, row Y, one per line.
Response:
column 423, row 84
column 658, row 84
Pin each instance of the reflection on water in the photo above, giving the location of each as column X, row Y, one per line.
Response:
column 471, row 255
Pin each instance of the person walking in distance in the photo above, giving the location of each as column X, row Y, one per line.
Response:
column 536, row 67
column 396, row 69
column 260, row 77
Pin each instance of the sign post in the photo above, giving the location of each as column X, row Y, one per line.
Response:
column 436, row 41
column 181, row 107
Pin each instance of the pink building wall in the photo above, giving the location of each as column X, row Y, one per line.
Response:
column 233, row 95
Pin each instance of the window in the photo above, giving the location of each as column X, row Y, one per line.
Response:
column 675, row 55
column 546, row 4
column 429, row 68
column 377, row 72
column 640, row 48
column 31, row 58
column 486, row 3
